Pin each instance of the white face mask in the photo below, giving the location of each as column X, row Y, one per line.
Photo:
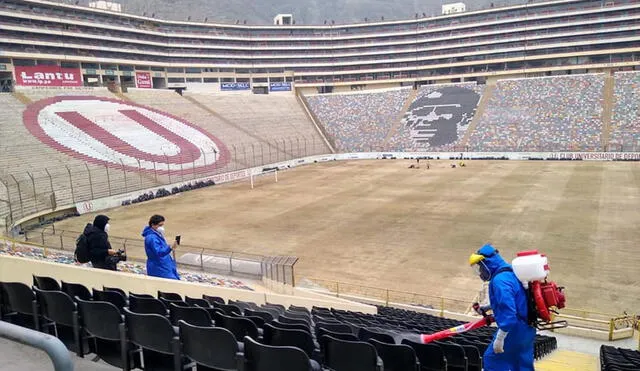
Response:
column 161, row 230
column 107, row 228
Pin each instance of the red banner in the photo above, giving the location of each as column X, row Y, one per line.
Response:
column 48, row 76
column 143, row 80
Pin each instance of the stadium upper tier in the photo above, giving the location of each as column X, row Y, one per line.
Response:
column 569, row 34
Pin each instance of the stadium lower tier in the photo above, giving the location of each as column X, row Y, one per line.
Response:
column 172, row 332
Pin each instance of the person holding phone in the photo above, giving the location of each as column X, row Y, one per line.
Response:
column 159, row 260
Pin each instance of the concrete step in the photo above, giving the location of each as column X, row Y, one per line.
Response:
column 566, row 360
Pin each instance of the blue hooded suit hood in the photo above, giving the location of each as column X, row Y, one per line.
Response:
column 493, row 260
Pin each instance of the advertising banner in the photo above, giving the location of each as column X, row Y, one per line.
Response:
column 234, row 86
column 48, row 76
column 143, row 80
column 280, row 86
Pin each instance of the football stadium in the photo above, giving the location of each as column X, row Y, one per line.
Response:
column 452, row 190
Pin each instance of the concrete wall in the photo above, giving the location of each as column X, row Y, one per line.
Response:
column 15, row 269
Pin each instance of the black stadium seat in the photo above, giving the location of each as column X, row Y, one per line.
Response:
column 76, row 289
column 197, row 302
column 213, row 299
column 258, row 357
column 195, row 316
column 455, row 355
column 146, row 305
column 61, row 317
column 212, row 347
column 103, row 323
column 118, row 290
column 21, row 300
column 113, row 297
column 266, row 316
column 365, row 334
column 431, row 356
column 46, row 283
column 157, row 340
column 239, row 327
column 396, row 357
column 169, row 296
column 286, row 337
column 345, row 355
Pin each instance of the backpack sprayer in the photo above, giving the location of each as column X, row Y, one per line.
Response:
column 543, row 298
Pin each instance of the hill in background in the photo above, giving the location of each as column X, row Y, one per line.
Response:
column 306, row 12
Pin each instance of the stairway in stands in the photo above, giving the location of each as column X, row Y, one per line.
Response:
column 304, row 103
column 398, row 121
column 121, row 96
column 22, row 98
column 482, row 106
column 607, row 110
column 565, row 360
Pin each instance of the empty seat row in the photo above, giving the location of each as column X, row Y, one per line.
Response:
column 107, row 322
column 618, row 359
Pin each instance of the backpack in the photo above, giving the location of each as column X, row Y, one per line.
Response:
column 82, row 249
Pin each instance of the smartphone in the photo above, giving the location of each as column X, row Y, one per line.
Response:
column 178, row 239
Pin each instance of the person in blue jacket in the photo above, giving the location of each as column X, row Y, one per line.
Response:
column 159, row 260
column 512, row 346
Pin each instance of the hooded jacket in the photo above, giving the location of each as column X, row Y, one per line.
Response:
column 509, row 304
column 159, row 261
column 98, row 240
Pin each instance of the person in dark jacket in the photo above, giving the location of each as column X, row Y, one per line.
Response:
column 100, row 249
column 159, row 261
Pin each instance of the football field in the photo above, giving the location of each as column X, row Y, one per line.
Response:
column 378, row 223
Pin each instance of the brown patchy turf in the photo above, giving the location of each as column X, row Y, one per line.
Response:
column 381, row 224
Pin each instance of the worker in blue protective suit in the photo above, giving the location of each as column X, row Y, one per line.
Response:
column 159, row 260
column 512, row 346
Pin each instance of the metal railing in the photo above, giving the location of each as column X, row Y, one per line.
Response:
column 55, row 349
column 276, row 268
column 48, row 189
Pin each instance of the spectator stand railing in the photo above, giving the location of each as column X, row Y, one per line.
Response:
column 40, row 191
column 258, row 267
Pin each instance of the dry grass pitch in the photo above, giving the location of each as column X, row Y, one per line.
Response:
column 378, row 223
